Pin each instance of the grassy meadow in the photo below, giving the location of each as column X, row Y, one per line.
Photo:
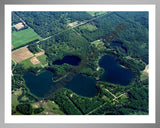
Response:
column 23, row 37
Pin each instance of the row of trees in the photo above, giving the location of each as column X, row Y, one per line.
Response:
column 64, row 103
column 33, row 48
column 15, row 19
column 85, row 104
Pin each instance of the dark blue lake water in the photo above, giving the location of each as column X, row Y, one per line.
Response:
column 114, row 73
column 41, row 84
column 72, row 60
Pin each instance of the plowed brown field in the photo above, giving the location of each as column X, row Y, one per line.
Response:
column 21, row 54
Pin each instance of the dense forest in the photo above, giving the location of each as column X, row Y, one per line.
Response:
column 134, row 37
column 50, row 23
column 131, row 51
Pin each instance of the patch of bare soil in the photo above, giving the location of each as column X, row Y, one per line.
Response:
column 34, row 60
column 19, row 25
column 21, row 54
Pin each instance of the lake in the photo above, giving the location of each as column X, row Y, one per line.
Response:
column 114, row 72
column 40, row 85
column 72, row 60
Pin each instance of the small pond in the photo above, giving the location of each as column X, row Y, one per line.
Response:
column 72, row 60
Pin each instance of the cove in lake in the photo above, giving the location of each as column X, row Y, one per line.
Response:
column 40, row 85
column 72, row 60
column 114, row 73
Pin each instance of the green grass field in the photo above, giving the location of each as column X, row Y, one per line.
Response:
column 23, row 37
column 97, row 42
column 42, row 59
column 92, row 13
column 27, row 64
column 144, row 76
column 15, row 101
column 50, row 108
column 89, row 27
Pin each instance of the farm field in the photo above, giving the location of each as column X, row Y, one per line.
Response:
column 27, row 63
column 23, row 37
column 42, row 59
column 34, row 60
column 92, row 13
column 21, row 54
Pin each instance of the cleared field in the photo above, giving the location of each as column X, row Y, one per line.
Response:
column 145, row 73
column 73, row 24
column 95, row 13
column 23, row 37
column 89, row 27
column 19, row 26
column 12, row 46
column 15, row 102
column 39, row 54
column 98, row 43
column 42, row 59
column 50, row 108
column 27, row 64
column 21, row 54
column 34, row 61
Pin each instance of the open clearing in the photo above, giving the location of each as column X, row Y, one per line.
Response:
column 95, row 13
column 34, row 60
column 50, row 108
column 21, row 54
column 39, row 54
column 144, row 73
column 99, row 44
column 146, row 70
column 28, row 64
column 89, row 27
column 42, row 59
column 19, row 25
column 23, row 37
column 15, row 102
column 12, row 46
column 73, row 23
